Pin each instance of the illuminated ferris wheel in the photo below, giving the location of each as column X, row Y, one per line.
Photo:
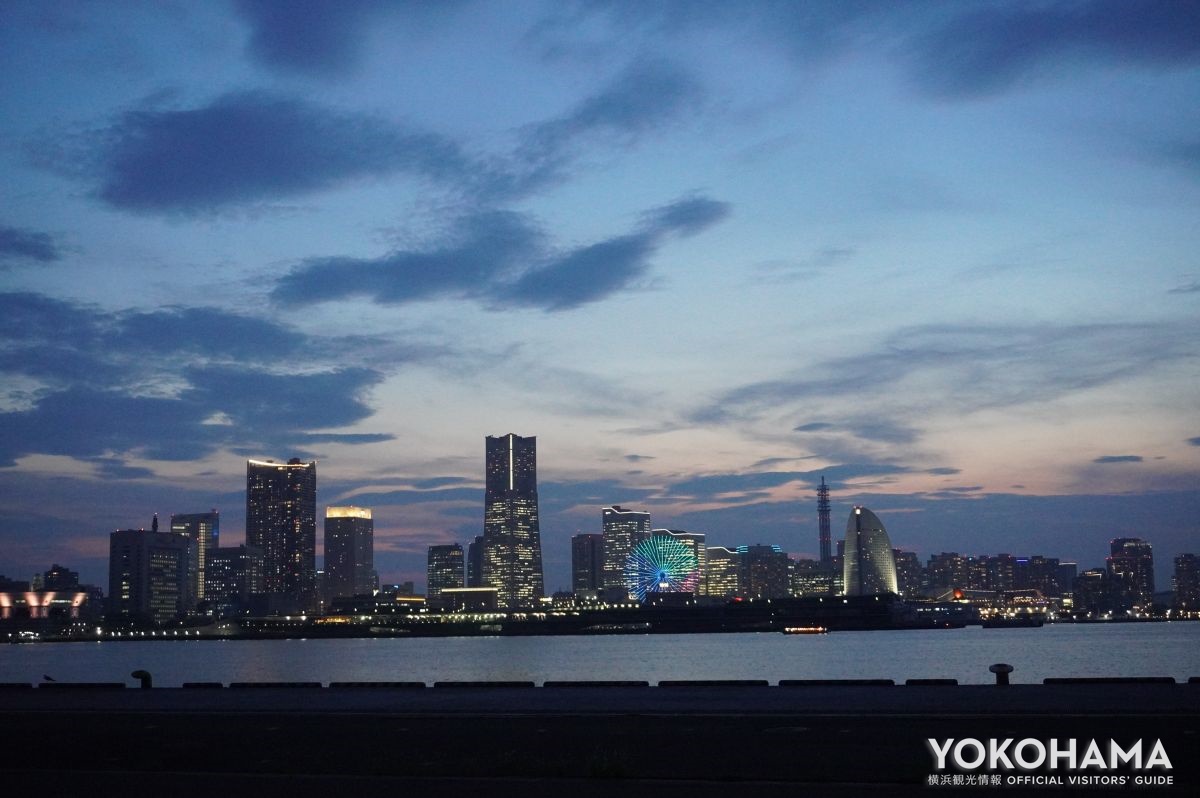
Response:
column 661, row 564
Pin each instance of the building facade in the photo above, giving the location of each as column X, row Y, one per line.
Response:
column 150, row 575
column 622, row 530
column 475, row 562
column 443, row 570
column 234, row 575
column 512, row 543
column 869, row 567
column 349, row 552
column 587, row 563
column 695, row 542
column 723, row 572
column 281, row 521
column 1130, row 567
column 205, row 529
column 766, row 571
column 1187, row 583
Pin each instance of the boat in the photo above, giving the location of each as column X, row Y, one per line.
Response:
column 804, row 630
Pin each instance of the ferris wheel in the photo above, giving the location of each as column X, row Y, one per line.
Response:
column 661, row 564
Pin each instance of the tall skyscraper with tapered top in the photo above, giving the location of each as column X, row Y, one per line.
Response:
column 870, row 566
column 281, row 520
column 512, row 542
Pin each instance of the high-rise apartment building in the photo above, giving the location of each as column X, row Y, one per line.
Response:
column 349, row 552
column 622, row 530
column 205, row 529
column 512, row 543
column 869, row 567
column 150, row 575
column 909, row 573
column 587, row 563
column 444, row 569
column 281, row 520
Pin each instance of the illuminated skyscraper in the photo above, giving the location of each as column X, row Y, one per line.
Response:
column 205, row 529
column 444, row 569
column 512, row 543
column 870, row 566
column 723, row 577
column 694, row 541
column 765, row 572
column 623, row 529
column 349, row 552
column 281, row 520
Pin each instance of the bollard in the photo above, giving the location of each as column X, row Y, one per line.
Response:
column 145, row 678
column 1001, row 670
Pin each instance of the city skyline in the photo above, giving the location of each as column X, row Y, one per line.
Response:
column 942, row 255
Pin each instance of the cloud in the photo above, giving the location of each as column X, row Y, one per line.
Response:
column 646, row 95
column 1189, row 288
column 943, row 471
column 1194, row 441
column 973, row 366
column 993, row 47
column 19, row 244
column 637, row 458
column 1118, row 458
column 710, row 486
column 247, row 147
column 305, row 35
column 815, row 426
column 176, row 383
column 501, row 259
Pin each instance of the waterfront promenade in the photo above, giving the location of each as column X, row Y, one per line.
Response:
column 454, row 739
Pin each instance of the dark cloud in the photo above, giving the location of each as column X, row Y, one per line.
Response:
column 637, row 458
column 943, row 471
column 1119, row 458
column 645, row 96
column 993, row 47
column 417, row 496
column 18, row 243
column 163, row 384
column 1194, row 441
column 307, row 36
column 253, row 146
column 815, row 426
column 1189, row 288
column 113, row 468
column 481, row 249
column 500, row 258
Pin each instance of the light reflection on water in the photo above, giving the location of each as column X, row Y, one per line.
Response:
column 1154, row 649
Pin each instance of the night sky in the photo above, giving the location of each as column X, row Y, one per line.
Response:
column 943, row 253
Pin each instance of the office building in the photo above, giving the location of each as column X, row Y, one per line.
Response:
column 234, row 574
column 512, row 543
column 1131, row 573
column 766, row 571
column 812, row 578
column 694, row 541
column 909, row 573
column 349, row 552
column 622, row 530
column 1187, row 583
column 869, row 567
column 205, row 529
column 587, row 563
column 475, row 562
column 281, row 520
column 150, row 575
column 444, row 569
column 60, row 578
column 723, row 572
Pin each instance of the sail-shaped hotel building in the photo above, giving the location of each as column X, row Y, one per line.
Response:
column 869, row 567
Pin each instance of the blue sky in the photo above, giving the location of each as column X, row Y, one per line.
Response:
column 943, row 253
